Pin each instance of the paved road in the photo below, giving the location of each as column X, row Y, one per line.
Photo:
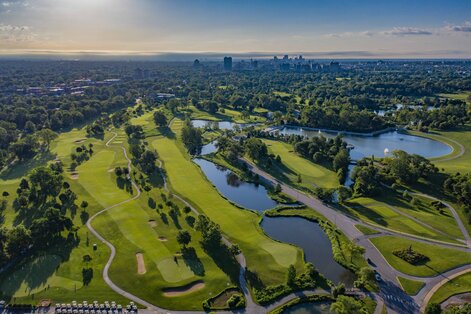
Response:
column 396, row 300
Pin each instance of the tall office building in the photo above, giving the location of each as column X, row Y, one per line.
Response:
column 227, row 63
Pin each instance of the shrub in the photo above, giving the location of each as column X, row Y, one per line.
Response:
column 411, row 256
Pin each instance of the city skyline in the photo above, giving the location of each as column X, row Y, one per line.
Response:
column 317, row 29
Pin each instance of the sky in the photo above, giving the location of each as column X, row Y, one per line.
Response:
column 317, row 28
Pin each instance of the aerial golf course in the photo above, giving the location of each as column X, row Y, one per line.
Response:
column 151, row 264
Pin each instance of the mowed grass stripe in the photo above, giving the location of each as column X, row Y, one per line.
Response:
column 311, row 174
column 269, row 258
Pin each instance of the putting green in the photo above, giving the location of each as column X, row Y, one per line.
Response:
column 173, row 272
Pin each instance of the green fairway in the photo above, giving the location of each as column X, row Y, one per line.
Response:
column 460, row 284
column 455, row 162
column 382, row 214
column 57, row 273
column 312, row 175
column 268, row 258
column 437, row 263
column 464, row 96
column 411, row 287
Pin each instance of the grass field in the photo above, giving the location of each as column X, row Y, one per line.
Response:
column 411, row 287
column 380, row 212
column 460, row 284
column 312, row 175
column 464, row 96
column 437, row 263
column 366, row 230
column 268, row 258
column 228, row 115
column 57, row 273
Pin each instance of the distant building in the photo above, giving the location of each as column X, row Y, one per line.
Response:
column 227, row 63
column 285, row 58
column 197, row 64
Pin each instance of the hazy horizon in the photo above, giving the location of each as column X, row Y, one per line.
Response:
column 323, row 29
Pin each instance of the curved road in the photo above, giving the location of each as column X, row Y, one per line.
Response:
column 396, row 300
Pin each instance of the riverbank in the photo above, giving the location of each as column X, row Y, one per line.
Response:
column 374, row 133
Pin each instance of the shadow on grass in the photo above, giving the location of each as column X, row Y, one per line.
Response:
column 20, row 169
column 360, row 209
column 192, row 261
column 225, row 261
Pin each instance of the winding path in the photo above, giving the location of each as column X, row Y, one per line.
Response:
column 396, row 300
column 106, row 277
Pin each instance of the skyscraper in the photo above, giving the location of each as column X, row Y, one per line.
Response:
column 227, row 63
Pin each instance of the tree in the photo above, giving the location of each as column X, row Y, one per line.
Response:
column 347, row 305
column 256, row 149
column 19, row 239
column 191, row 137
column 291, row 281
column 433, row 308
column 46, row 136
column 183, row 238
column 160, row 118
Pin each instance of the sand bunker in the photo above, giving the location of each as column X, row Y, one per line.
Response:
column 141, row 266
column 110, row 170
column 178, row 291
column 152, row 223
column 74, row 176
column 80, row 141
column 163, row 239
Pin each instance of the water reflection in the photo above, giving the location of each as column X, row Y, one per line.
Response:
column 246, row 194
column 311, row 238
column 365, row 146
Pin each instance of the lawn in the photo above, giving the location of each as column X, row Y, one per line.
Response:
column 268, row 258
column 464, row 96
column 366, row 230
column 436, row 264
column 312, row 175
column 411, row 287
column 56, row 274
column 462, row 135
column 227, row 115
column 460, row 284
column 379, row 213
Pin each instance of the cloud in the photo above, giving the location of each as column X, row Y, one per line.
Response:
column 406, row 31
column 350, row 34
column 9, row 6
column 13, row 33
column 465, row 27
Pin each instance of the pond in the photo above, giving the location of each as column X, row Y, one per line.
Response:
column 309, row 308
column 223, row 125
column 365, row 146
column 208, row 148
column 246, row 194
column 311, row 238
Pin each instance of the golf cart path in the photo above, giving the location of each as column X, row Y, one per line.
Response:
column 106, row 278
column 389, row 285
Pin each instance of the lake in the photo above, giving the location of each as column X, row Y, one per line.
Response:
column 246, row 194
column 223, row 125
column 365, row 146
column 311, row 238
column 309, row 308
